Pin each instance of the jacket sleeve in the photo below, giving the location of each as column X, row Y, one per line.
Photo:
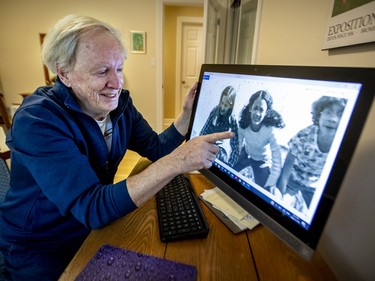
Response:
column 145, row 141
column 51, row 150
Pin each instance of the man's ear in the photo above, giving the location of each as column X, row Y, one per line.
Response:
column 63, row 75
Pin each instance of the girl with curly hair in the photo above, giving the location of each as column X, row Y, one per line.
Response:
column 256, row 152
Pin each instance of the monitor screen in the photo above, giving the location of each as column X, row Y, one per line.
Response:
column 295, row 128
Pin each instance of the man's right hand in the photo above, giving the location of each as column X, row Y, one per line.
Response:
column 198, row 153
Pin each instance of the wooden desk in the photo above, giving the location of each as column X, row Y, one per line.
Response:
column 251, row 255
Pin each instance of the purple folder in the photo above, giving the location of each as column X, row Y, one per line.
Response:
column 112, row 263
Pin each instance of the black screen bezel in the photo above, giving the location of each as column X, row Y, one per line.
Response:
column 365, row 76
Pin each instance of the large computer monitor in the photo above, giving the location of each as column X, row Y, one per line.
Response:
column 289, row 157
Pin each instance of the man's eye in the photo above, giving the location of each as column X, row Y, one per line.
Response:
column 102, row 72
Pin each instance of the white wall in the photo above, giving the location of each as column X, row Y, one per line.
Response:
column 291, row 32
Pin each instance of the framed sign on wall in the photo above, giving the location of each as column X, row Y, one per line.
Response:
column 350, row 22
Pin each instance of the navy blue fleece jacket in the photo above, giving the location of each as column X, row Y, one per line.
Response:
column 61, row 171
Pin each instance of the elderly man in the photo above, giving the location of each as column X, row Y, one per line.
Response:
column 66, row 143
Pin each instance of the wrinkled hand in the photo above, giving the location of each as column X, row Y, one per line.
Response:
column 189, row 98
column 183, row 119
column 198, row 153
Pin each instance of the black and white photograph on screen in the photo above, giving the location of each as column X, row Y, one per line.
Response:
column 221, row 120
column 308, row 151
column 289, row 109
column 257, row 154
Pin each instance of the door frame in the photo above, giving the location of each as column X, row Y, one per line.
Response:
column 159, row 106
column 180, row 22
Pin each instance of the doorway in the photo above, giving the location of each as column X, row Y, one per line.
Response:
column 230, row 36
column 179, row 21
column 189, row 56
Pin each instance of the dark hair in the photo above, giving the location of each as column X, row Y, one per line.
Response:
column 272, row 118
column 322, row 103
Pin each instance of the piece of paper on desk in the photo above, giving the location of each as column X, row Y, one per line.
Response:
column 222, row 202
column 248, row 221
column 231, row 209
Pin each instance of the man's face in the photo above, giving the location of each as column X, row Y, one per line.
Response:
column 96, row 78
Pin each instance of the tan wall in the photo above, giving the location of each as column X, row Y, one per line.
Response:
column 169, row 54
column 292, row 32
column 22, row 20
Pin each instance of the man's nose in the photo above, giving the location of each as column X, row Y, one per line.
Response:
column 115, row 80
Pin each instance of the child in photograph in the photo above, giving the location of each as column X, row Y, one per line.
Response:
column 221, row 120
column 257, row 154
column 308, row 151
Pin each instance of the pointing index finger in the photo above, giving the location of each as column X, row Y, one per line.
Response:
column 213, row 138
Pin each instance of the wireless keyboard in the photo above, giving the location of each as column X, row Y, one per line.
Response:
column 179, row 212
